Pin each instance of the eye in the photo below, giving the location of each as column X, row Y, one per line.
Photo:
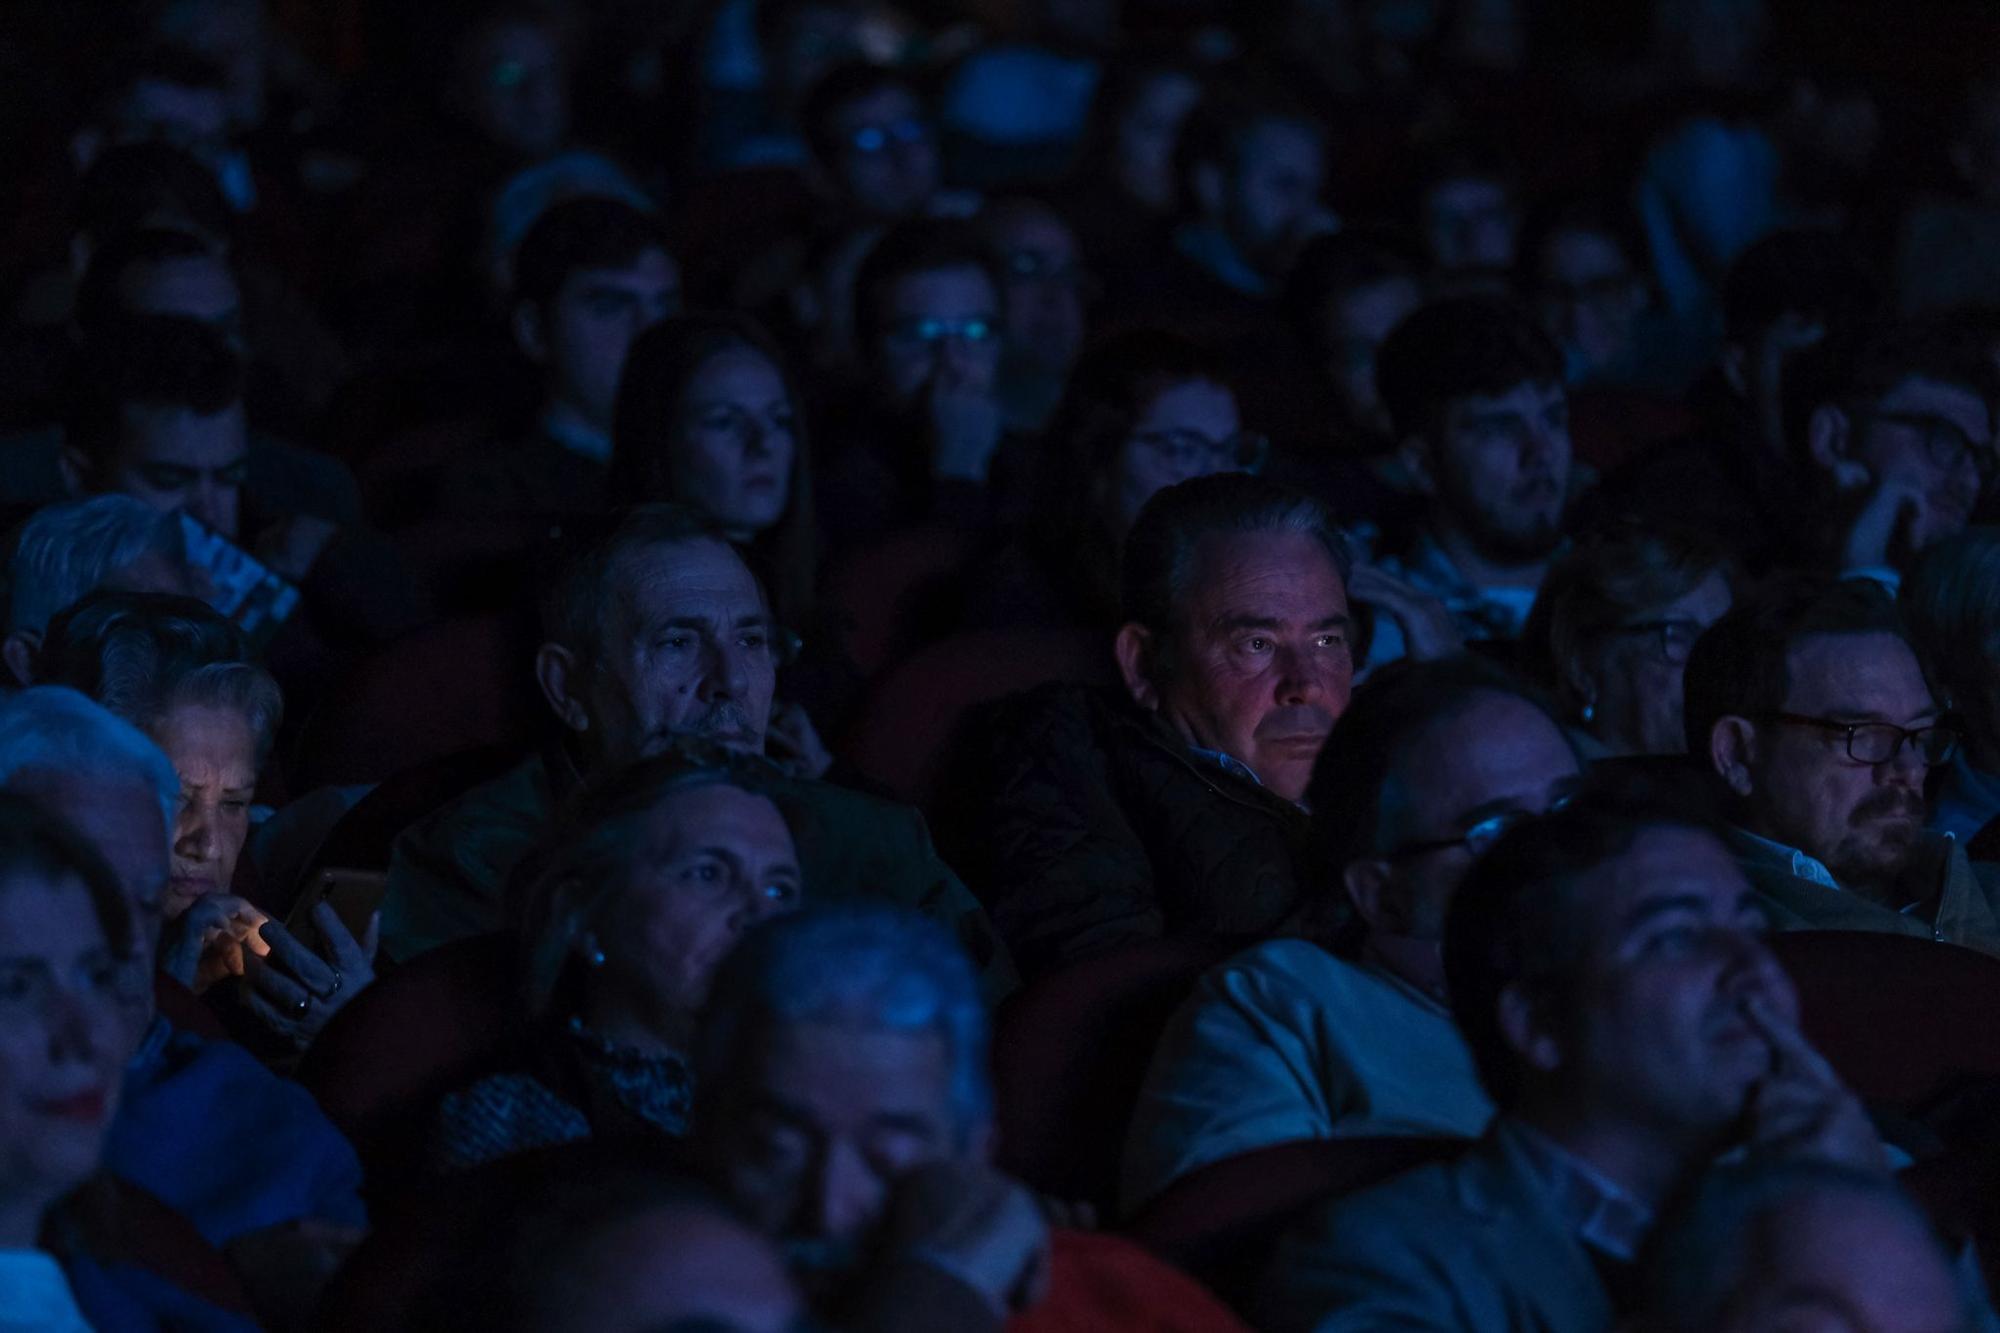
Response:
column 702, row 872
column 105, row 975
column 782, row 891
column 674, row 643
column 1257, row 643
column 15, row 987
column 1333, row 639
column 235, row 805
column 1674, row 941
column 757, row 639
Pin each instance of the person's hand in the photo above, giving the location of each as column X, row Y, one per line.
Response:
column 294, row 544
column 965, row 424
column 295, row 991
column 1428, row 631
column 793, row 741
column 1801, row 1109
column 209, row 941
column 1881, row 530
column 977, row 1224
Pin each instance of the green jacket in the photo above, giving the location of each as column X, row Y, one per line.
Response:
column 1967, row 896
column 448, row 871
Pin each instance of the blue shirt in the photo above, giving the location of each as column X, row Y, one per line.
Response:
column 225, row 1142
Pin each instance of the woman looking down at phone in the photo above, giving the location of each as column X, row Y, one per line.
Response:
column 647, row 885
column 174, row 668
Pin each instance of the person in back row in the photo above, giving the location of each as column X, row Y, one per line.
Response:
column 654, row 628
column 1810, row 704
column 1430, row 764
column 1087, row 820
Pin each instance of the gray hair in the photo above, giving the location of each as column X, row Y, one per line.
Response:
column 66, row 550
column 242, row 687
column 1951, row 602
column 49, row 729
column 1716, row 1238
column 1159, row 557
column 875, row 966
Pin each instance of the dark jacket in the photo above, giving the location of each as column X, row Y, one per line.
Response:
column 1083, row 823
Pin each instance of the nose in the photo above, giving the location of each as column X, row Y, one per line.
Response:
column 210, row 504
column 724, row 674
column 1301, row 680
column 846, row 1193
column 198, row 839
column 72, row 1033
column 1906, row 768
column 1754, row 970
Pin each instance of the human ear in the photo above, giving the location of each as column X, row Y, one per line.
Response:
column 18, row 652
column 1134, row 649
column 529, row 334
column 1830, row 445
column 555, row 671
column 1368, row 885
column 1524, row 1028
column 1732, row 749
column 1415, row 454
column 76, row 469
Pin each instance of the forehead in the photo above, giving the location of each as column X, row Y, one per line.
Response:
column 202, row 281
column 37, row 912
column 1031, row 228
column 652, row 268
column 1526, row 398
column 1190, row 404
column 1865, row 674
column 699, row 578
column 843, row 1073
column 1494, row 747
column 1242, row 573
column 1464, row 193
column 201, row 112
column 1707, row 602
column 1574, row 254
column 181, row 436
column 962, row 289
column 208, row 736
column 718, row 815
column 736, row 372
column 1662, row 862
column 1957, row 402
column 877, row 108
column 1280, row 142
column 120, row 816
column 1376, row 307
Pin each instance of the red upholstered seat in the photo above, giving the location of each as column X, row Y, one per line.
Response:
column 452, row 686
column 873, row 592
column 185, row 1010
column 900, row 733
column 361, row 839
column 150, row 1235
column 422, row 1030
column 1069, row 1054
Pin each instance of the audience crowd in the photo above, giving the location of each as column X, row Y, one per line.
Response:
column 889, row 665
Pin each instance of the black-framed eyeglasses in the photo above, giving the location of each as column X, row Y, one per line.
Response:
column 1945, row 441
column 872, row 139
column 930, row 332
column 1881, row 742
column 1193, row 453
column 1673, row 639
column 1477, row 839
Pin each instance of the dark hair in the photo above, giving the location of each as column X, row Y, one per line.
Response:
column 1459, row 158
column 36, row 841
column 143, row 61
column 148, row 361
column 1803, row 271
column 922, row 246
column 1331, row 267
column 577, row 569
column 844, row 83
column 1739, row 666
column 98, row 300
column 1946, row 351
column 1159, row 554
column 150, row 184
column 1514, row 920
column 589, row 232
column 1592, row 214
column 1126, row 74
column 1215, row 131
column 1612, row 573
column 657, row 371
column 1394, row 706
column 1460, row 348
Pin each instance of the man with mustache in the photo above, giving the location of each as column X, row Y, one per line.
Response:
column 1810, row 704
column 653, row 627
column 1091, row 818
column 1475, row 391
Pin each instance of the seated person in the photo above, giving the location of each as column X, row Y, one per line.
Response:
column 874, row 145
column 1801, row 1245
column 1043, row 290
column 590, row 277
column 1951, row 602
column 651, row 881
column 842, row 1106
column 654, row 627
column 73, row 548
column 254, row 1163
column 176, row 670
column 1428, row 766
column 1611, row 630
column 67, row 963
column 1475, row 392
column 1086, row 819
column 1465, row 208
column 1345, row 295
column 1580, row 267
column 1810, row 704
column 1607, row 969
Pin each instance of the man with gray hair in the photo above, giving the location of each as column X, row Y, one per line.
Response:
column 1087, row 818
column 66, row 551
column 842, row 1105
column 192, row 1112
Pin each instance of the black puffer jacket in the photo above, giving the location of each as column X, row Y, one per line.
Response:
column 1083, row 822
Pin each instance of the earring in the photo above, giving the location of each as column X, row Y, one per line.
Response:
column 1589, row 711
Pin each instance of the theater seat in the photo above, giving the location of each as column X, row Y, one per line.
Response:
column 456, row 685
column 900, row 732
column 422, row 1030
column 361, row 838
column 1069, row 1054
column 1220, row 1222
column 151, row 1236
column 874, row 594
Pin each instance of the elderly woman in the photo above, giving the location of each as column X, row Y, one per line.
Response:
column 1952, row 602
column 647, row 885
column 1611, row 628
column 174, row 668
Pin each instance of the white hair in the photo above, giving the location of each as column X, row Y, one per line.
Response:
column 877, row 967
column 50, row 729
column 65, row 551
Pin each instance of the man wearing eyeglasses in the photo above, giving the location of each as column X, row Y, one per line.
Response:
column 1810, row 704
column 1429, row 765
